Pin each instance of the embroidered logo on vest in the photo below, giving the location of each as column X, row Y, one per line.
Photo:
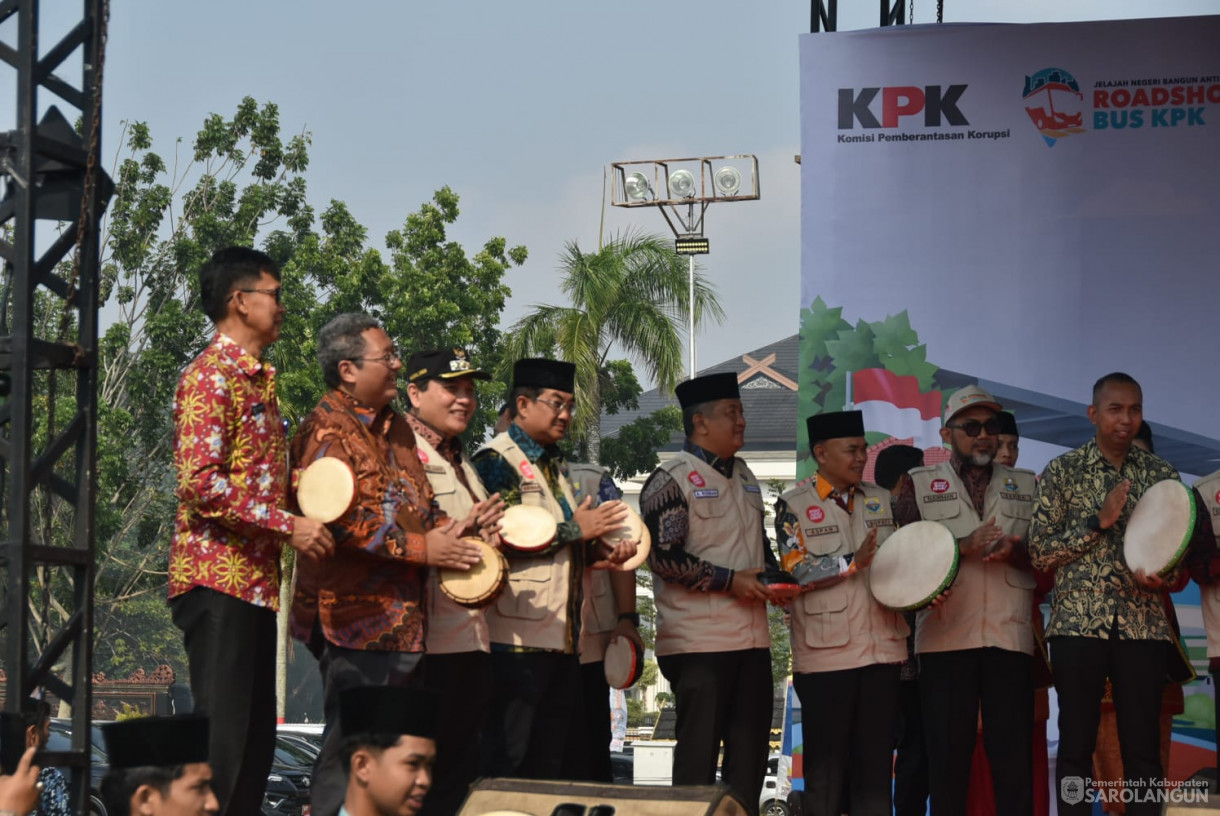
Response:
column 815, row 514
column 873, row 505
column 1010, row 484
column 1218, row 497
column 526, row 470
column 694, row 478
column 940, row 485
column 423, row 455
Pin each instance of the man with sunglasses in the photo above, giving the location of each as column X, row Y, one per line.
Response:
column 361, row 611
column 975, row 648
column 535, row 623
column 230, row 454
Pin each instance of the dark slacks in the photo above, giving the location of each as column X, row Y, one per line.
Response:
column 230, row 645
column 343, row 669
column 1136, row 669
column 589, row 759
column 911, row 761
column 534, row 708
column 953, row 686
column 464, row 683
column 847, row 718
column 722, row 697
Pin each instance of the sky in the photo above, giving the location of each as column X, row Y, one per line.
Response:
column 519, row 107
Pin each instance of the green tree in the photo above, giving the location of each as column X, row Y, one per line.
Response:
column 633, row 449
column 631, row 294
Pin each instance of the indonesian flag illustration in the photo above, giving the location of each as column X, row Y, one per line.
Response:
column 894, row 405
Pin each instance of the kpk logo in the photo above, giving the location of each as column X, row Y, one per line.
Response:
column 940, row 485
column 815, row 514
column 933, row 101
column 694, row 478
column 1054, row 104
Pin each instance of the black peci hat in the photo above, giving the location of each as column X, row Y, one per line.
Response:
column 708, row 388
column 162, row 742
column 1008, row 423
column 388, row 710
column 834, row 425
column 541, row 373
column 444, row 364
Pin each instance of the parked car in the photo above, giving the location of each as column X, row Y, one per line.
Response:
column 622, row 766
column 60, row 739
column 288, row 784
column 770, row 803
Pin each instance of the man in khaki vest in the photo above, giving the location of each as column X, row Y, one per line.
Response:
column 1204, row 564
column 704, row 510
column 535, row 623
column 607, row 613
column 976, row 647
column 457, row 660
column 847, row 649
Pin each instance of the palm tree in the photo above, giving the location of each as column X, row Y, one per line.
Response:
column 631, row 294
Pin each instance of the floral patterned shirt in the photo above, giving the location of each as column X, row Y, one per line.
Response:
column 1095, row 592
column 53, row 800
column 231, row 458
column 368, row 594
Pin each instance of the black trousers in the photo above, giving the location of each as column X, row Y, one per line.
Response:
column 589, row 759
column 343, row 669
column 911, row 761
column 847, row 718
column 230, row 645
column 722, row 697
column 464, row 683
column 1136, row 669
column 535, row 705
column 953, row 686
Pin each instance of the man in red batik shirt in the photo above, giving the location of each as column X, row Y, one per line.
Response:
column 230, row 454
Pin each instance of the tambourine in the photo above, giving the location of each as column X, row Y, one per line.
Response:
column 633, row 529
column 527, row 528
column 480, row 585
column 781, row 586
column 1158, row 532
column 913, row 566
column 624, row 663
column 326, row 489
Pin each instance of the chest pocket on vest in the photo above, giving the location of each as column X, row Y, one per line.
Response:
column 442, row 482
column 601, row 603
column 823, row 546
column 825, row 617
column 710, row 508
column 1016, row 515
column 529, row 592
column 755, row 500
column 940, row 510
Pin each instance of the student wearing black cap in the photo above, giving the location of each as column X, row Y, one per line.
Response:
column 535, row 622
column 704, row 511
column 1008, row 440
column 158, row 767
column 388, row 749
column 847, row 649
column 457, row 660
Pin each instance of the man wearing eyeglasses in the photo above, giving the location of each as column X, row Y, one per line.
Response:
column 230, row 454
column 361, row 611
column 975, row 648
column 535, row 623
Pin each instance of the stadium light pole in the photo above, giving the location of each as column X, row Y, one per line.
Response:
column 682, row 189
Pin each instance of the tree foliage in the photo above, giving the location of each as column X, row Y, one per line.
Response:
column 633, row 449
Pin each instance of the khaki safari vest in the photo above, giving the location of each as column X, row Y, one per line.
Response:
column 726, row 518
column 842, row 626
column 535, row 609
column 991, row 601
column 597, row 610
column 451, row 628
column 1209, row 489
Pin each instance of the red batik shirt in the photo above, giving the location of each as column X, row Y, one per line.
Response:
column 230, row 453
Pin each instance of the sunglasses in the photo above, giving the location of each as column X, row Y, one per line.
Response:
column 277, row 293
column 972, row 427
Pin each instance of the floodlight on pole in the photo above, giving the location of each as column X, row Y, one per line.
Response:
column 689, row 186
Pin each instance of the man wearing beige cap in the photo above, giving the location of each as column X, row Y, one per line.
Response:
column 975, row 648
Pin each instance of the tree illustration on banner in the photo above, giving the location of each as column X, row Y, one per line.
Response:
column 896, row 362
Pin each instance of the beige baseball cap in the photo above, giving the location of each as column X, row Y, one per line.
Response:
column 968, row 397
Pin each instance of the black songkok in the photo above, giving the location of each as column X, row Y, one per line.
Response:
column 541, row 373
column 708, row 388
column 1008, row 423
column 162, row 742
column 834, row 425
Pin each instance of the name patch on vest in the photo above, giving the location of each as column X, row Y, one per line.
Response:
column 830, row 529
column 694, row 478
column 873, row 505
column 884, row 522
column 752, row 488
column 710, row 493
column 433, row 468
column 1216, row 511
column 942, row 497
column 815, row 514
column 940, row 485
column 423, row 455
column 531, row 487
column 1021, row 497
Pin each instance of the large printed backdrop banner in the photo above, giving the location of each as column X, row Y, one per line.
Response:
column 1026, row 206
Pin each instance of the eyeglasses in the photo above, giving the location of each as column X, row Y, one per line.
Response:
column 277, row 293
column 387, row 359
column 972, row 427
column 559, row 407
